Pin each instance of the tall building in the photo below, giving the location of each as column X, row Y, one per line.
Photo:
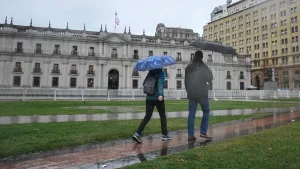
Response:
column 268, row 30
column 46, row 57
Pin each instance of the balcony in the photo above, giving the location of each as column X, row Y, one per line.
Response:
column 179, row 59
column 73, row 72
column 178, row 75
column 38, row 51
column 167, row 75
column 91, row 53
column 55, row 71
column 114, row 55
column 91, row 72
column 135, row 74
column 75, row 53
column 19, row 50
column 228, row 77
column 242, row 77
column 17, row 70
column 37, row 70
column 135, row 56
column 56, row 52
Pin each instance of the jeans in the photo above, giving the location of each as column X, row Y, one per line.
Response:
column 160, row 105
column 192, row 113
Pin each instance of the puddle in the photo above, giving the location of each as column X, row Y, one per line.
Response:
column 121, row 153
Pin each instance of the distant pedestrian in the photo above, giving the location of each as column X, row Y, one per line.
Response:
column 153, row 87
column 197, row 75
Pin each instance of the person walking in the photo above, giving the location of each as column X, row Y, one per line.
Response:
column 155, row 99
column 197, row 75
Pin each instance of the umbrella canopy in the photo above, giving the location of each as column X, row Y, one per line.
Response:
column 154, row 62
column 215, row 47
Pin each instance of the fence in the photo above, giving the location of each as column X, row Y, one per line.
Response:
column 133, row 94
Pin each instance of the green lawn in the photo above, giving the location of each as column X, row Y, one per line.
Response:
column 69, row 107
column 18, row 139
column 275, row 149
column 284, row 99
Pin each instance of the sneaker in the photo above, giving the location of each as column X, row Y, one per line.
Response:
column 136, row 137
column 166, row 137
column 205, row 136
column 193, row 138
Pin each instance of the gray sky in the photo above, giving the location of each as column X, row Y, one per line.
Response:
column 138, row 14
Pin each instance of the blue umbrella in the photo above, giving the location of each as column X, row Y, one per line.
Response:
column 154, row 62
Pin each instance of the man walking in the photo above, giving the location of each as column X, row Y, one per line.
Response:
column 197, row 75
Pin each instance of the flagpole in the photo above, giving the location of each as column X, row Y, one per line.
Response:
column 115, row 21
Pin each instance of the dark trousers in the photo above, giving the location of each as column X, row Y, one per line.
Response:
column 160, row 105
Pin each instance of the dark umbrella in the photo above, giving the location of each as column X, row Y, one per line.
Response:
column 212, row 46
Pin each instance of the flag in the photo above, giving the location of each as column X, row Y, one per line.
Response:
column 117, row 21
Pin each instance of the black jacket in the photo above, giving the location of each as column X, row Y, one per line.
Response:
column 197, row 74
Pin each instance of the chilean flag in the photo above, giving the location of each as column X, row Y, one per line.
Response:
column 117, row 21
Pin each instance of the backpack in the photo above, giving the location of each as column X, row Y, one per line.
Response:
column 150, row 85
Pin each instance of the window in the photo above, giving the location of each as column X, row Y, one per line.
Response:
column 295, row 29
column 166, row 84
column 242, row 86
column 36, row 82
column 55, row 68
column 19, row 47
column 56, row 50
column 228, row 85
column 91, row 70
column 178, row 84
column 294, row 19
column 90, row 82
column 165, row 53
column 293, row 10
column 55, row 81
column 295, row 39
column 74, row 50
column 135, row 54
column 73, row 82
column 228, row 76
column 38, row 48
column 73, row 69
column 37, row 68
column 150, row 53
column 166, row 72
column 135, row 84
column 91, row 51
column 114, row 53
column 241, row 75
column 17, row 81
column 178, row 58
column 192, row 57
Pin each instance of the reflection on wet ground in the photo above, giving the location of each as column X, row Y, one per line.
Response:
column 130, row 116
column 118, row 154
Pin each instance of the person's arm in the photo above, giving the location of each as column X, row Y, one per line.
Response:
column 185, row 78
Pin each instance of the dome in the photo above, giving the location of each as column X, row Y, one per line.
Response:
column 160, row 25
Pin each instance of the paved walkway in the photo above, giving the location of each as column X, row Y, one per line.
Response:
column 128, row 116
column 121, row 153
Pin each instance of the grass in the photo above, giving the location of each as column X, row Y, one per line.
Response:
column 284, row 99
column 60, row 107
column 276, row 148
column 18, row 139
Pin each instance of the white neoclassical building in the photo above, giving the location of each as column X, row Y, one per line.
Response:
column 45, row 57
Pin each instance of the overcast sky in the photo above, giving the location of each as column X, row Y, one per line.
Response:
column 138, row 14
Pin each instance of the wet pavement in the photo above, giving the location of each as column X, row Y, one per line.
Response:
column 121, row 153
column 129, row 116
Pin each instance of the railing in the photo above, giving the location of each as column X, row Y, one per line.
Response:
column 178, row 59
column 135, row 74
column 55, row 71
column 91, row 53
column 56, row 52
column 17, row 70
column 178, row 75
column 135, row 56
column 228, row 77
column 19, row 50
column 38, row 51
column 74, row 53
column 73, row 72
column 134, row 94
column 114, row 55
column 91, row 72
column 37, row 70
column 242, row 77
